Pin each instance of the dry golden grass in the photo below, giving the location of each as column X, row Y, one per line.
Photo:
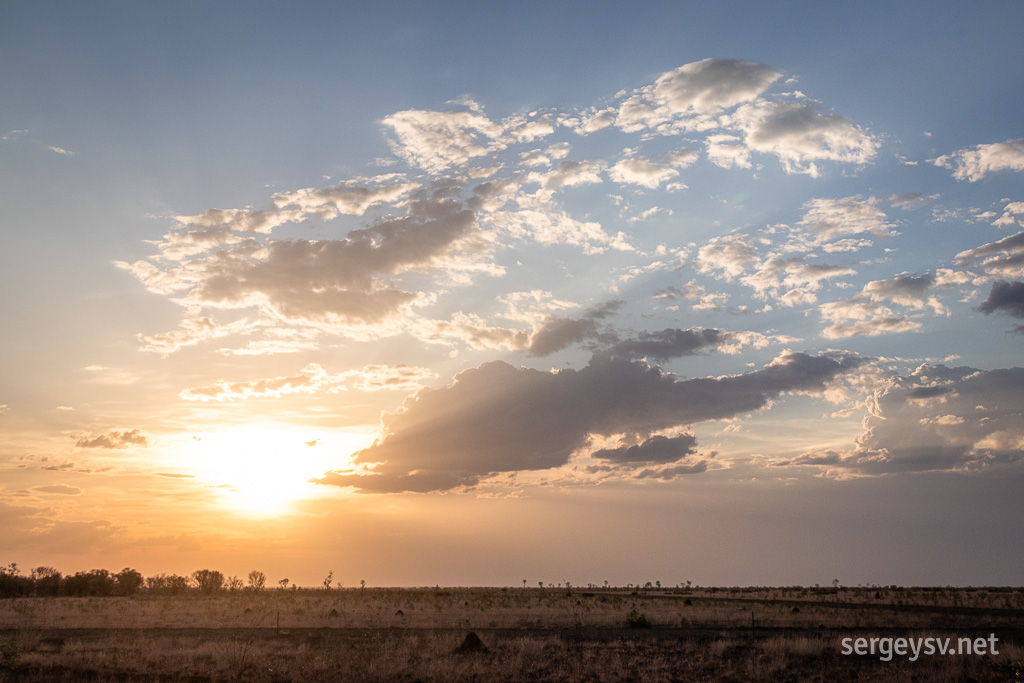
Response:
column 531, row 634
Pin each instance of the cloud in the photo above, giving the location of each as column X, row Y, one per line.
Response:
column 59, row 490
column 655, row 449
column 727, row 151
column 974, row 164
column 938, row 418
column 904, row 289
column 114, row 440
column 570, row 174
column 1004, row 258
column 800, row 136
column 437, row 140
column 192, row 331
column 728, row 253
column 345, row 284
column 690, row 95
column 670, row 343
column 545, row 157
column 828, row 219
column 388, row 378
column 330, row 202
column 548, row 226
column 1010, row 215
column 911, row 200
column 791, row 281
column 870, row 319
column 1007, row 297
column 557, row 333
column 498, row 418
column 310, row 379
column 241, row 220
column 637, row 170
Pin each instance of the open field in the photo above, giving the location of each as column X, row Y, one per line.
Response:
column 776, row 634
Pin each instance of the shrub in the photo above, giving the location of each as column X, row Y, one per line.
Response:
column 637, row 619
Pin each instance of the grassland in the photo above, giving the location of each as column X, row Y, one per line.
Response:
column 528, row 634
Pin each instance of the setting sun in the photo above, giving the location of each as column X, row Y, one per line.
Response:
column 261, row 470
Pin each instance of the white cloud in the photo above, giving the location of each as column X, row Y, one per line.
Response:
column 728, row 253
column 437, row 140
column 974, row 164
column 800, row 136
column 570, row 174
column 649, row 173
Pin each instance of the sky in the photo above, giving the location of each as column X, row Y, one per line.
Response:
column 443, row 293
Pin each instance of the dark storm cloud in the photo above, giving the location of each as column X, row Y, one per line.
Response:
column 498, row 418
column 1007, row 297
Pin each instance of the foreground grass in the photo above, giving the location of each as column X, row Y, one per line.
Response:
column 530, row 635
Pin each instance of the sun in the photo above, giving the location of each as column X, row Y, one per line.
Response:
column 263, row 470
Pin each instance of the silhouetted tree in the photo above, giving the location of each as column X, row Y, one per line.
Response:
column 128, row 582
column 327, row 581
column 12, row 583
column 96, row 582
column 208, row 581
column 257, row 580
column 47, row 581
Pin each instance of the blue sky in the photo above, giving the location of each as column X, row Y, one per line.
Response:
column 745, row 275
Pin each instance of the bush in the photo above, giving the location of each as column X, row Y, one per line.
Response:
column 637, row 619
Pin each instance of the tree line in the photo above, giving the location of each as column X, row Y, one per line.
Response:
column 48, row 582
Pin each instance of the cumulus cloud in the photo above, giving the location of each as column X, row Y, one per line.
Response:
column 498, row 418
column 791, row 281
column 861, row 317
column 1007, row 297
column 800, row 136
column 438, row 140
column 570, row 174
column 670, row 343
column 693, row 93
column 729, row 254
column 727, row 151
column 556, row 333
column 329, row 203
column 828, row 219
column 938, row 418
column 975, row 163
column 905, row 289
column 342, row 281
column 637, row 170
column 548, row 226
column 658, row 448
column 114, row 440
column 1004, row 258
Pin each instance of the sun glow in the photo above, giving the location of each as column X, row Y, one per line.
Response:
column 264, row 470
